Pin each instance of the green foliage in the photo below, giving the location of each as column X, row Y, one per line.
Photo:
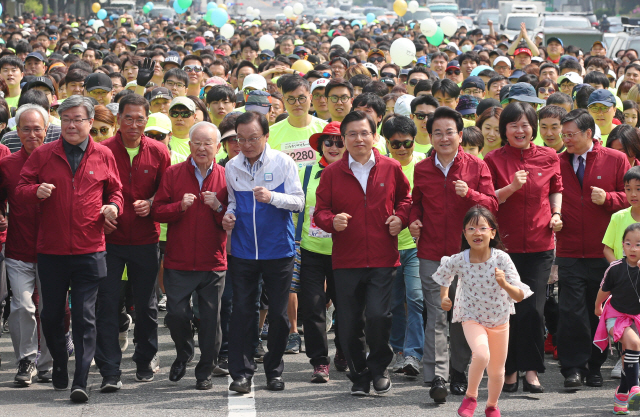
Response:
column 601, row 11
column 33, row 6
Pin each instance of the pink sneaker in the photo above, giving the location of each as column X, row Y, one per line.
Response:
column 467, row 407
column 634, row 398
column 620, row 402
column 492, row 412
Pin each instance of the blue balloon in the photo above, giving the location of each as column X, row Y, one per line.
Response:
column 219, row 17
column 150, row 4
column 212, row 6
column 177, row 8
column 0, row 8
column 371, row 17
column 356, row 22
column 91, row 22
column 102, row 14
column 114, row 16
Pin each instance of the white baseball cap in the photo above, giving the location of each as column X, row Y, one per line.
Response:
column 571, row 76
column 256, row 81
column 371, row 67
column 319, row 83
column 502, row 59
column 403, row 105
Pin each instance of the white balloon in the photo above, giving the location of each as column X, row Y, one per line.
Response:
column 413, row 6
column 330, row 11
column 97, row 23
column 428, row 27
column 344, row 42
column 298, row 8
column 288, row 11
column 449, row 25
column 249, row 11
column 227, row 30
column 267, row 42
column 402, row 51
column 312, row 26
column 256, row 12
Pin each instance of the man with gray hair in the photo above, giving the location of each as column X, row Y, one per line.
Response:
column 75, row 182
column 20, row 255
column 192, row 200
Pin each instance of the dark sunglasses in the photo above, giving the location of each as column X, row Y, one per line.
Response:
column 387, row 75
column 373, row 59
column 184, row 114
column 396, row 144
column 326, row 75
column 103, row 131
column 451, row 72
column 420, row 116
column 330, row 142
column 414, row 82
column 265, row 58
column 156, row 136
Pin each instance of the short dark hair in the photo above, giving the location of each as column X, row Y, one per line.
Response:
column 582, row 119
column 74, row 76
column 250, row 43
column 376, row 87
column 514, row 112
column 596, row 77
column 582, row 96
column 360, row 45
column 356, row 116
column 244, row 64
column 440, row 54
column 220, row 92
column 372, row 101
column 597, row 61
column 178, row 73
column 559, row 98
column 424, row 99
column 193, row 58
column 472, row 136
column 551, row 111
column 13, row 61
column 398, row 124
column 134, row 100
column 229, row 122
column 571, row 64
column 529, row 79
column 473, row 56
column 495, row 79
column 549, row 65
column 628, row 137
column 34, row 97
column 293, row 82
column 446, row 87
column 445, row 113
column 338, row 82
column 423, row 85
column 360, row 80
column 632, row 174
column 418, row 69
column 250, row 117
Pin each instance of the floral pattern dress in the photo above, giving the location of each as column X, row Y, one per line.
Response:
column 479, row 298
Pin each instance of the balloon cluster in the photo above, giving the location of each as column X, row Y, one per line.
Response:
column 295, row 10
column 217, row 17
column 253, row 12
column 147, row 7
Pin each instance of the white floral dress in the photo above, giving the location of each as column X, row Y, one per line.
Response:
column 479, row 298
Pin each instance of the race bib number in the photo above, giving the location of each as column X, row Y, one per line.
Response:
column 315, row 231
column 300, row 152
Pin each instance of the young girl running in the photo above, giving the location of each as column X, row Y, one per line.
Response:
column 620, row 317
column 488, row 285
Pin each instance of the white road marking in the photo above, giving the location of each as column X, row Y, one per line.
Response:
column 241, row 405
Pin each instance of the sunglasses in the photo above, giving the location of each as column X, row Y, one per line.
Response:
column 53, row 38
column 544, row 90
column 373, row 59
column 326, row 75
column 184, row 114
column 192, row 68
column 265, row 58
column 156, row 136
column 103, row 131
column 327, row 143
column 414, row 82
column 420, row 116
column 451, row 72
column 396, row 144
column 387, row 75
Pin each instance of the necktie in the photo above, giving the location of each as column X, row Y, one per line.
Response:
column 580, row 171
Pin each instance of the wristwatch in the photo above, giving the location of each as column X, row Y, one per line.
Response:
column 219, row 209
column 558, row 213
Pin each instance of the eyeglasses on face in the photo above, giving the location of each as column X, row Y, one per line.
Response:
column 156, row 135
column 414, row 82
column 396, row 144
column 569, row 135
column 265, row 58
column 66, row 121
column 452, row 72
column 172, row 84
column 192, row 68
column 249, row 141
column 598, row 109
column 104, row 130
column 543, row 90
column 420, row 116
column 375, row 59
column 482, row 229
column 327, row 143
column 138, row 122
column 387, row 75
column 184, row 114
column 343, row 99
column 292, row 100
column 365, row 134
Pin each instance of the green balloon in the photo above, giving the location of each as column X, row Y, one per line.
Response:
column 437, row 38
column 185, row 4
column 208, row 17
column 146, row 9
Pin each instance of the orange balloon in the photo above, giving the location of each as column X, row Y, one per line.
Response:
column 302, row 65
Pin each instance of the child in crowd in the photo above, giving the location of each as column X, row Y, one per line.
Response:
column 623, row 218
column 472, row 141
column 488, row 285
column 620, row 318
column 631, row 113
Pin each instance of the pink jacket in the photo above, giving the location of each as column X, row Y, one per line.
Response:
column 601, row 338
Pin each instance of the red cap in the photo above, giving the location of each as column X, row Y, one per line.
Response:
column 331, row 129
column 523, row 51
column 218, row 52
column 200, row 39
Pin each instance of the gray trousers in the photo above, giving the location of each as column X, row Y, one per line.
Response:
column 435, row 360
column 23, row 277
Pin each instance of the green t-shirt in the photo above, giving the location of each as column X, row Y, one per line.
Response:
column 12, row 101
column 617, row 225
column 405, row 241
column 603, row 139
column 294, row 141
column 467, row 122
column 538, row 140
column 313, row 238
column 132, row 153
column 180, row 146
column 418, row 147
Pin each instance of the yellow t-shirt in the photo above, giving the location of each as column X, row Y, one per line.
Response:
column 294, row 141
column 405, row 241
column 617, row 225
column 12, row 101
column 180, row 145
column 132, row 153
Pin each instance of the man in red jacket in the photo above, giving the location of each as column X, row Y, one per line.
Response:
column 75, row 181
column 192, row 199
column 592, row 176
column 132, row 241
column 446, row 185
column 364, row 202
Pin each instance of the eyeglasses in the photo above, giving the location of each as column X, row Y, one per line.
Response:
column 543, row 90
column 396, row 144
column 72, row 121
column 104, row 130
column 387, row 75
column 138, row 122
column 192, row 68
column 482, row 230
column 28, row 130
column 451, row 72
column 184, row 114
column 420, row 116
column 472, row 91
column 598, row 109
column 292, row 100
column 569, row 135
column 336, row 68
column 318, row 96
column 342, row 99
column 374, row 59
column 265, row 58
column 440, row 135
column 365, row 134
column 327, row 143
column 53, row 38
column 156, row 136
column 249, row 141
column 172, row 84
column 414, row 82
column 231, row 139
column 197, row 145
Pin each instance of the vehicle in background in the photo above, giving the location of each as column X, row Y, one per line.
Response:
column 629, row 38
column 511, row 26
column 465, row 11
column 163, row 11
column 507, row 8
column 484, row 16
column 377, row 11
column 564, row 21
column 279, row 17
column 573, row 30
column 441, row 15
column 420, row 14
column 444, row 8
column 344, row 4
column 121, row 7
column 615, row 24
column 608, row 38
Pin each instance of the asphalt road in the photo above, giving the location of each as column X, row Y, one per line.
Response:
column 164, row 398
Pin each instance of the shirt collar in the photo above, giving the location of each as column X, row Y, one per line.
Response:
column 584, row 155
column 82, row 145
column 438, row 164
column 371, row 161
column 208, row 169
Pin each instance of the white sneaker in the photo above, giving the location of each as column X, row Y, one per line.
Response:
column 155, row 364
column 616, row 372
column 162, row 304
column 330, row 312
column 399, row 364
column 123, row 337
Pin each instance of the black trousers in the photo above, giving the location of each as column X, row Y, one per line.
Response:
column 142, row 271
column 276, row 276
column 315, row 269
column 209, row 285
column 578, row 284
column 364, row 313
column 83, row 273
column 526, row 327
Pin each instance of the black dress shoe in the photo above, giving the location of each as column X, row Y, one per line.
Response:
column 458, row 384
column 275, row 384
column 511, row 387
column 594, row 380
column 361, row 387
column 532, row 388
column 60, row 377
column 178, row 369
column 382, row 383
column 573, row 380
column 438, row 390
column 204, row 384
column 241, row 385
column 79, row 394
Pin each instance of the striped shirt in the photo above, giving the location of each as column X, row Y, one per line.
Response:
column 12, row 141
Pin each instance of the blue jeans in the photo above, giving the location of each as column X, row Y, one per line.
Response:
column 407, row 329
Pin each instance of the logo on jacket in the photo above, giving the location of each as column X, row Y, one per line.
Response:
column 91, row 172
column 268, row 177
column 382, row 184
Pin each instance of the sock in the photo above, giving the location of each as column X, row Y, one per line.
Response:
column 623, row 388
column 631, row 367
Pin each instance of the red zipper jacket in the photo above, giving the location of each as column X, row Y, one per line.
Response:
column 4, row 152
column 25, row 218
column 585, row 222
column 195, row 238
column 440, row 209
column 366, row 242
column 70, row 217
column 140, row 181
column 524, row 218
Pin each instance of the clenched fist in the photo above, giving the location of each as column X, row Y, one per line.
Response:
column 519, row 179
column 395, row 225
column 341, row 221
column 415, row 228
column 45, row 190
column 228, row 221
column 446, row 304
column 142, row 207
column 211, row 200
column 461, row 188
column 187, row 201
column 598, row 195
column 109, row 212
column 262, row 195
column 500, row 278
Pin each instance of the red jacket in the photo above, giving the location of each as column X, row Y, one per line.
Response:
column 524, row 218
column 195, row 238
column 25, row 218
column 585, row 222
column 440, row 209
column 140, row 181
column 366, row 242
column 4, row 151
column 70, row 217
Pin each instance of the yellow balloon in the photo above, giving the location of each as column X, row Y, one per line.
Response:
column 95, row 7
column 400, row 7
column 302, row 65
column 222, row 6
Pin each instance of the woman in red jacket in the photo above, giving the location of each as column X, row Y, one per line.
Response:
column 528, row 186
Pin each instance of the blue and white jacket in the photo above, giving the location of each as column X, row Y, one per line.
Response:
column 264, row 231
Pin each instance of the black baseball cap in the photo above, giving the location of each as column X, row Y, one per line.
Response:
column 160, row 92
column 37, row 55
column 98, row 80
column 36, row 81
